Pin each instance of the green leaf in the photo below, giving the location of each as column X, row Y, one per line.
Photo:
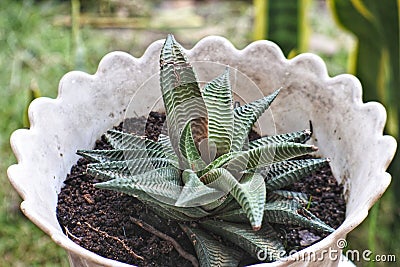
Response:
column 291, row 212
column 282, row 211
column 169, row 211
column 300, row 197
column 161, row 184
column 129, row 167
column 126, row 141
column 295, row 137
column 166, row 145
column 223, row 205
column 245, row 117
column 161, row 187
column 249, row 193
column 284, row 173
column 120, row 154
column 254, row 242
column 190, row 155
column 195, row 193
column 180, row 90
column 219, row 162
column 237, row 215
column 102, row 155
column 266, row 155
column 123, row 140
column 182, row 213
column 211, row 252
column 220, row 204
column 217, row 96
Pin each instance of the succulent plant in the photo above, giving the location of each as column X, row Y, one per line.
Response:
column 205, row 174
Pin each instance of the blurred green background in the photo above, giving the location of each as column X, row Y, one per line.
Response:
column 40, row 41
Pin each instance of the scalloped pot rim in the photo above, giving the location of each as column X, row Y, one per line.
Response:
column 264, row 63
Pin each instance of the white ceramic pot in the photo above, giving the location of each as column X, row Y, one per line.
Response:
column 346, row 130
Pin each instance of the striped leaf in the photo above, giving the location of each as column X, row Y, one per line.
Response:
column 190, row 155
column 254, row 242
column 220, row 204
column 217, row 96
column 123, row 140
column 245, row 117
column 295, row 137
column 126, row 141
column 120, row 154
column 167, row 148
column 236, row 216
column 284, row 173
column 160, row 187
column 291, row 212
column 165, row 192
column 196, row 193
column 219, row 162
column 249, row 193
column 161, row 184
column 223, row 205
column 282, row 204
column 211, row 252
column 174, row 212
column 170, row 211
column 263, row 156
column 282, row 211
column 167, row 174
column 102, row 155
column 180, row 90
column 165, row 211
column 298, row 196
column 129, row 167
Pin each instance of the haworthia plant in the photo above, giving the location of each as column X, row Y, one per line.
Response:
column 235, row 194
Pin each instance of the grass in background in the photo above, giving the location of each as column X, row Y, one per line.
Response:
column 30, row 50
column 35, row 51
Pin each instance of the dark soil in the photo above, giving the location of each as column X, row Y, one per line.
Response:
column 99, row 220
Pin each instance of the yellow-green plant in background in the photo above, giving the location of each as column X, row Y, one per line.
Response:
column 376, row 62
column 283, row 22
column 34, row 92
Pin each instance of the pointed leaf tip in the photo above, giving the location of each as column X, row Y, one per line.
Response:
column 170, row 39
column 274, row 94
column 245, row 116
column 277, row 91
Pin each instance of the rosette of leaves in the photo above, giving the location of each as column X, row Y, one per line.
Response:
column 205, row 174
